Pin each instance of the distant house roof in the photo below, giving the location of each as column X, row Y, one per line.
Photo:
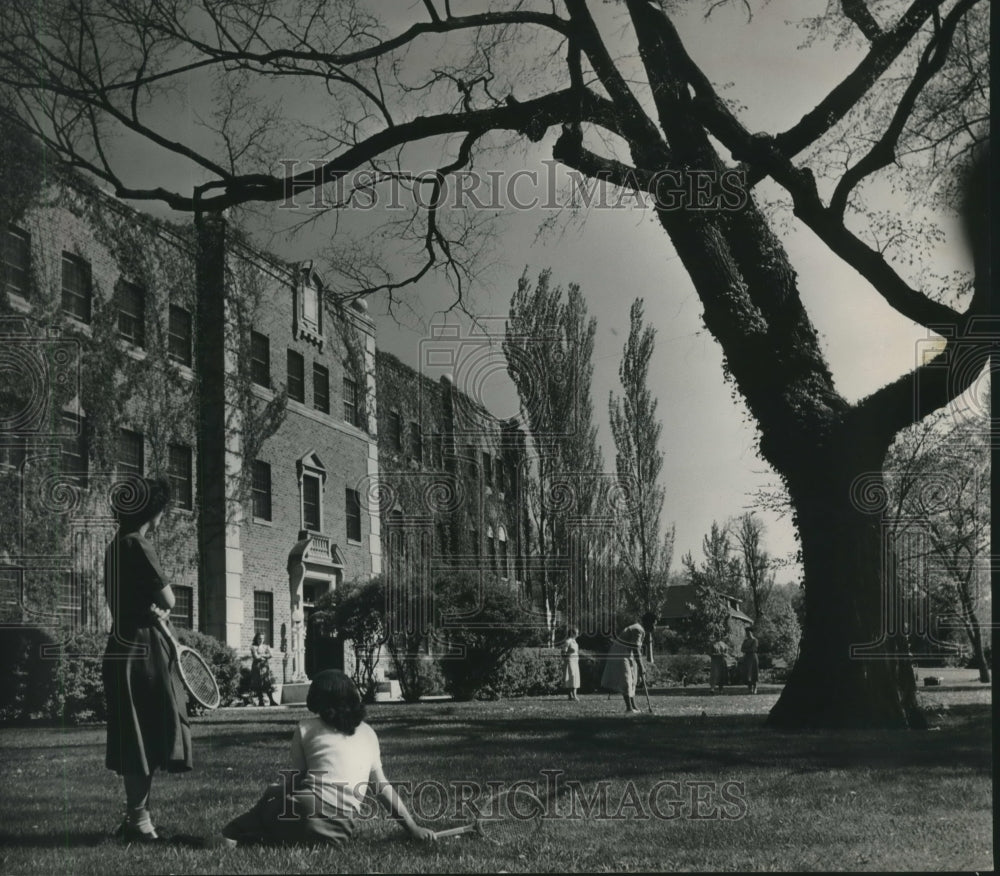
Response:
column 681, row 600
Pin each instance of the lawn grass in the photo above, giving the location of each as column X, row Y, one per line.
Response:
column 813, row 801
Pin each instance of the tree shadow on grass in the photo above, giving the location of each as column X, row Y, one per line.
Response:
column 87, row 838
column 645, row 745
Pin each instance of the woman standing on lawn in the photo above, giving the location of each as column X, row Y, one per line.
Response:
column 147, row 714
column 571, row 662
column 751, row 665
column 623, row 666
column 720, row 666
column 261, row 680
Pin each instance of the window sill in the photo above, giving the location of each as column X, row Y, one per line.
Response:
column 355, row 543
column 136, row 352
column 186, row 371
column 18, row 302
column 263, row 392
column 260, row 521
column 78, row 323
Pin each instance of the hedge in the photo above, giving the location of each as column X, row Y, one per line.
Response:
column 65, row 685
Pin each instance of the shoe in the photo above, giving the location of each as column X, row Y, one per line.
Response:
column 129, row 833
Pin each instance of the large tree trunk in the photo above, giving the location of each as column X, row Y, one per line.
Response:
column 852, row 669
column 973, row 631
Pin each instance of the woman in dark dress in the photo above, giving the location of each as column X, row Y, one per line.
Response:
column 147, row 717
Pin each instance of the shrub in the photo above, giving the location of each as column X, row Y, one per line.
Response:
column 485, row 619
column 27, row 681
column 63, row 686
column 78, row 696
column 527, row 672
column 676, row 668
column 591, row 670
column 222, row 659
column 419, row 675
column 355, row 611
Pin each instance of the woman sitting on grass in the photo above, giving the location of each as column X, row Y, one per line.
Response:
column 335, row 755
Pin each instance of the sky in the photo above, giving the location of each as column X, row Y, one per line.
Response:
column 711, row 469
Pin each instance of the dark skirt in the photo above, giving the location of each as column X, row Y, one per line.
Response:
column 147, row 706
column 261, row 679
column 299, row 818
column 751, row 667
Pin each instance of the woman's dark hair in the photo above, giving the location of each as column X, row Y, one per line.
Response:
column 138, row 501
column 648, row 620
column 337, row 701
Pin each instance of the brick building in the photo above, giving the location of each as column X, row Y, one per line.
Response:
column 451, row 477
column 139, row 347
column 185, row 347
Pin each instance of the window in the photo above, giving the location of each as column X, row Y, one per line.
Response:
column 438, row 449
column 76, row 287
column 179, row 335
column 351, row 406
column 353, row 513
column 16, row 261
column 260, row 359
column 473, row 471
column 263, row 615
column 296, row 376
column 474, row 539
column 321, row 388
column 70, row 599
column 312, row 511
column 182, row 614
column 180, row 475
column 491, row 547
column 131, row 312
column 131, row 459
column 261, row 490
column 74, row 446
column 310, row 307
column 502, row 541
column 488, row 469
column 416, row 443
column 395, row 431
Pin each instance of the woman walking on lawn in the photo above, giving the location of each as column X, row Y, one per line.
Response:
column 751, row 665
column 623, row 666
column 261, row 680
column 571, row 662
column 147, row 705
column 334, row 757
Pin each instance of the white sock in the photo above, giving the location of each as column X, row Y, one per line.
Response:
column 139, row 818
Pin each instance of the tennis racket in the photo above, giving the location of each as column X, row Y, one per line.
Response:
column 195, row 673
column 508, row 817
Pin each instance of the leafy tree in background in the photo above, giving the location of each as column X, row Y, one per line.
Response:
column 549, row 345
column 938, row 479
column 756, row 568
column 718, row 576
column 630, row 105
column 355, row 612
column 647, row 553
column 778, row 630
